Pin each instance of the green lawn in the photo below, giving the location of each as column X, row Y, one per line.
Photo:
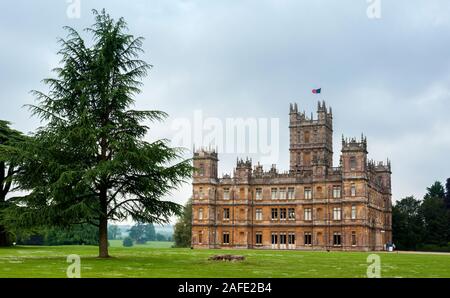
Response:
column 148, row 261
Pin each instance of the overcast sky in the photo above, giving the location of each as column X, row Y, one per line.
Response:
column 388, row 77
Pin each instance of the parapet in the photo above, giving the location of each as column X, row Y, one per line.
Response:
column 351, row 144
column 204, row 152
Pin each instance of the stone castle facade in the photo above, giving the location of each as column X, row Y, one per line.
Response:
column 313, row 206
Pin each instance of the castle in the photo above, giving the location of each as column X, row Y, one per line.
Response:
column 313, row 206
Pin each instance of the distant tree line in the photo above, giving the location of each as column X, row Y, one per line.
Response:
column 423, row 224
column 86, row 234
column 142, row 233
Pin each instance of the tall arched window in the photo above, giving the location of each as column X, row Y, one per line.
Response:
column 352, row 163
column 306, row 159
column 201, row 170
column 306, row 137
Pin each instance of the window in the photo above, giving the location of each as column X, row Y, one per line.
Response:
column 308, row 214
column 353, row 190
column 226, row 238
column 352, row 163
column 379, row 181
column 308, row 193
column 200, row 237
column 201, row 170
column 226, row 213
column 337, row 239
column 283, row 238
column 353, row 238
column 274, row 238
column 258, row 214
column 307, row 159
column 283, row 213
column 274, row 193
column 290, row 193
column 258, row 238
column 200, row 213
column 274, row 213
column 353, row 212
column 282, row 194
column 336, row 192
column 226, row 193
column 259, row 194
column 308, row 238
column 200, row 192
column 306, row 136
column 291, row 238
column 337, row 213
column 291, row 213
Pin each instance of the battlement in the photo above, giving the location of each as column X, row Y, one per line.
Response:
column 324, row 115
column 293, row 108
column 204, row 152
column 379, row 166
column 322, row 107
column 247, row 163
column 351, row 144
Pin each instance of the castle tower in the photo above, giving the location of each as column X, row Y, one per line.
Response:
column 383, row 171
column 383, row 180
column 243, row 171
column 205, row 164
column 204, row 187
column 311, row 140
column 354, row 158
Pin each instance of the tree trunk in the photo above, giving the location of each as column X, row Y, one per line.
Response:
column 103, row 238
column 103, row 226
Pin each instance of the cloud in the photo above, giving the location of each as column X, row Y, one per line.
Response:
column 388, row 78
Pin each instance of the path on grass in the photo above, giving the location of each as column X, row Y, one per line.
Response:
column 422, row 252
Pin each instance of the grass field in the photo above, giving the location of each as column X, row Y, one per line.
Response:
column 152, row 260
column 149, row 244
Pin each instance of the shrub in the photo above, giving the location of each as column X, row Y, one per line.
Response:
column 127, row 242
column 433, row 247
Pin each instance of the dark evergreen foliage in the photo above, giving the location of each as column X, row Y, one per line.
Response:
column 9, row 139
column 89, row 162
column 183, row 228
column 422, row 225
column 447, row 194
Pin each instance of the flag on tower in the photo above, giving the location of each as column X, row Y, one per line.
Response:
column 316, row 91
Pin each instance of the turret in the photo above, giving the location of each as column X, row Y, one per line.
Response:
column 293, row 112
column 243, row 171
column 354, row 157
column 324, row 115
column 383, row 174
column 205, row 164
